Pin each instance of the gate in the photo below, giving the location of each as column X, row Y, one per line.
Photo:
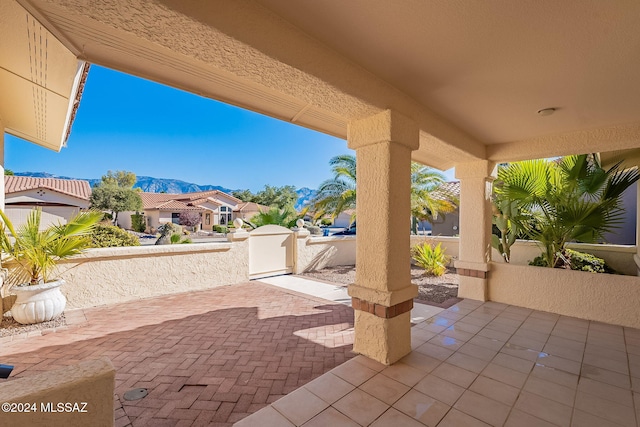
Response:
column 271, row 251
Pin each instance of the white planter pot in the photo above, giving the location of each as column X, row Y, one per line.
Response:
column 38, row 303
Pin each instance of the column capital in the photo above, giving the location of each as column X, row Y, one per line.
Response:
column 477, row 169
column 386, row 126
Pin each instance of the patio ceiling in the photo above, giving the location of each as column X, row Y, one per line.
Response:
column 472, row 74
column 39, row 79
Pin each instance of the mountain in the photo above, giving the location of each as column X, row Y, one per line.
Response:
column 158, row 185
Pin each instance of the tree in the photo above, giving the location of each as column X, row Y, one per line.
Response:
column 114, row 193
column 8, row 172
column 280, row 197
column 190, row 219
column 556, row 202
column 337, row 194
column 429, row 198
column 286, row 217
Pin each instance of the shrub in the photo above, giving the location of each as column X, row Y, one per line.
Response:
column 177, row 239
column 220, row 229
column 326, row 221
column 432, row 259
column 138, row 223
column 575, row 260
column 107, row 236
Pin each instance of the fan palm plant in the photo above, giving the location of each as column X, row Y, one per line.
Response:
column 286, row 217
column 572, row 199
column 37, row 251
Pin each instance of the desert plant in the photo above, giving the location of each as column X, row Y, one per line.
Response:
column 505, row 218
column 177, row 239
column 108, row 236
column 36, row 251
column 432, row 259
column 220, row 229
column 577, row 261
column 286, row 217
column 138, row 222
column 571, row 199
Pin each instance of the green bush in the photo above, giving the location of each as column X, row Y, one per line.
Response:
column 107, row 236
column 138, row 223
column 432, row 259
column 579, row 261
column 220, row 229
column 326, row 221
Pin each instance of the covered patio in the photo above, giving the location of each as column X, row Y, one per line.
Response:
column 447, row 84
column 259, row 355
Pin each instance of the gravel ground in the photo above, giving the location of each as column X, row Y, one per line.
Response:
column 9, row 327
column 434, row 290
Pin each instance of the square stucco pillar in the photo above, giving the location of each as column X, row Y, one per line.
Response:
column 476, row 179
column 383, row 293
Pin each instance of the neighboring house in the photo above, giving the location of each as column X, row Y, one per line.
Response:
column 446, row 224
column 344, row 218
column 215, row 208
column 59, row 199
column 246, row 210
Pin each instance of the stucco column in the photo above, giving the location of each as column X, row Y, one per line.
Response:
column 476, row 179
column 383, row 294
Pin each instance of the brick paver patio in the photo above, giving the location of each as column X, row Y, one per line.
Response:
column 207, row 358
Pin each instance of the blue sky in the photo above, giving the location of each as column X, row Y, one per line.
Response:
column 128, row 123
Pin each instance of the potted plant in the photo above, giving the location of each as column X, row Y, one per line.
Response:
column 36, row 253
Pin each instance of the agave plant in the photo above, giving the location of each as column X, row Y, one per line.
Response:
column 36, row 251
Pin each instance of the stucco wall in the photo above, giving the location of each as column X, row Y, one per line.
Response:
column 606, row 298
column 51, row 215
column 112, row 275
column 315, row 253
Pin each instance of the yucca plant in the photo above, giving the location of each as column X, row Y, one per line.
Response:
column 432, row 259
column 36, row 251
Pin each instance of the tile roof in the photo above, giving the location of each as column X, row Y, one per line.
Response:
column 177, row 205
column 154, row 200
column 71, row 187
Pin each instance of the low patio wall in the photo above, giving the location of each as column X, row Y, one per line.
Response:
column 619, row 257
column 606, row 298
column 85, row 391
column 316, row 253
column 112, row 275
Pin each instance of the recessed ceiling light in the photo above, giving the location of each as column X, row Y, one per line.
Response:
column 546, row 111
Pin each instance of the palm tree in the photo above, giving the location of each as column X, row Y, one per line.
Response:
column 338, row 194
column 429, row 197
column 571, row 199
column 286, row 217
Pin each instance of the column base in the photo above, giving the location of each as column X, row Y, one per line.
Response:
column 473, row 288
column 383, row 340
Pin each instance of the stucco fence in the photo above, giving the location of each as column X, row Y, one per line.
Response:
column 113, row 275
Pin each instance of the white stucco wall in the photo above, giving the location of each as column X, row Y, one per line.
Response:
column 315, row 253
column 112, row 275
column 50, row 214
column 606, row 298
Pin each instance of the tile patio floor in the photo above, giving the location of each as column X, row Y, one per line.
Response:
column 479, row 364
column 474, row 364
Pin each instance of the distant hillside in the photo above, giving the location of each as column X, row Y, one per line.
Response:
column 158, row 185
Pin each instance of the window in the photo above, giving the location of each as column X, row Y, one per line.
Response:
column 225, row 215
column 207, row 219
column 175, row 217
